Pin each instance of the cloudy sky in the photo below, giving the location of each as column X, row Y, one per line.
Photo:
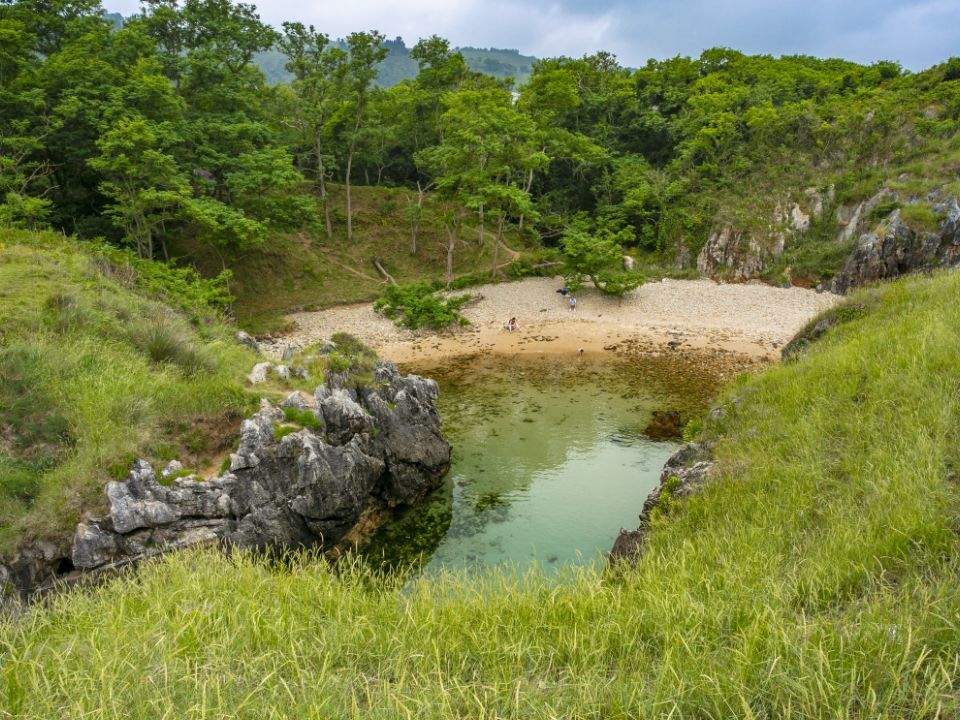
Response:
column 917, row 33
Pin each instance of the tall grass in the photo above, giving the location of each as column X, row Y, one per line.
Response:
column 817, row 578
column 93, row 373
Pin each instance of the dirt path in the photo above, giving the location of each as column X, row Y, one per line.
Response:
column 748, row 319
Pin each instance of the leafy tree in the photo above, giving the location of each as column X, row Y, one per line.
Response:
column 365, row 51
column 320, row 72
column 597, row 257
column 487, row 146
column 144, row 184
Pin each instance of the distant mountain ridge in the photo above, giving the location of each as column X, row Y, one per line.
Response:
column 398, row 65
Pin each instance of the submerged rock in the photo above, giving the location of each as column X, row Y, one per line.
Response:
column 376, row 447
column 665, row 425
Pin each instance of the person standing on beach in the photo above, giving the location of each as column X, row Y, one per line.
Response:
column 572, row 302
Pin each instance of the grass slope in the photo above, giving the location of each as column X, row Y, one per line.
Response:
column 310, row 271
column 93, row 372
column 815, row 579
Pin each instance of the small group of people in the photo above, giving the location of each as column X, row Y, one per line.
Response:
column 571, row 300
column 511, row 324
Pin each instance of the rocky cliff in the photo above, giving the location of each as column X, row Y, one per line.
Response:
column 891, row 234
column 684, row 473
column 350, row 451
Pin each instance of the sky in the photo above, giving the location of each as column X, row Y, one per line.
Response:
column 916, row 33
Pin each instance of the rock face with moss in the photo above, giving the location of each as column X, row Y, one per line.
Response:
column 898, row 246
column 303, row 475
column 885, row 236
column 684, row 473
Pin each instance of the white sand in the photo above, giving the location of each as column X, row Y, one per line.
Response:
column 750, row 319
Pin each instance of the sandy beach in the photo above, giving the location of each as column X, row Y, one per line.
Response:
column 752, row 320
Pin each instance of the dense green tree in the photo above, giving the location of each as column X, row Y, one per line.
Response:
column 144, row 184
column 319, row 70
column 364, row 50
column 597, row 257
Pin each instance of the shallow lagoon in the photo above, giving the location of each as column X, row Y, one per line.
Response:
column 549, row 461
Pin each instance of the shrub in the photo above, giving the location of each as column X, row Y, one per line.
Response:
column 417, row 305
column 183, row 287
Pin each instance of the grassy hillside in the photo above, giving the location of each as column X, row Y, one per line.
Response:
column 97, row 367
column 307, row 270
column 815, row 578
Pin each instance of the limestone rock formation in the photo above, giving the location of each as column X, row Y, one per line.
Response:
column 378, row 446
column 895, row 248
column 369, row 448
column 734, row 255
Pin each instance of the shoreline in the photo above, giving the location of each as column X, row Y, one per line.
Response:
column 747, row 320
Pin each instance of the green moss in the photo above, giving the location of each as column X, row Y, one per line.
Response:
column 920, row 217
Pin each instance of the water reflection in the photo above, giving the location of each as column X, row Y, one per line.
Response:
column 549, row 462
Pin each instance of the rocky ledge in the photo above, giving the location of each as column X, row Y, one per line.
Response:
column 684, row 474
column 308, row 483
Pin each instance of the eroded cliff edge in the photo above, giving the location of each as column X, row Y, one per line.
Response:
column 355, row 451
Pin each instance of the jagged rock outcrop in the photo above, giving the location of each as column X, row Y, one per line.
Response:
column 684, row 473
column 740, row 255
column 735, row 255
column 895, row 248
column 888, row 245
column 369, row 448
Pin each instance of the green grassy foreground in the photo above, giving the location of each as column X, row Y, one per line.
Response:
column 816, row 579
column 97, row 367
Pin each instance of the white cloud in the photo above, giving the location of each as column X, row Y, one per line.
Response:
column 917, row 33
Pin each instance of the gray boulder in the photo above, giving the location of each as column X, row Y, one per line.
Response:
column 380, row 446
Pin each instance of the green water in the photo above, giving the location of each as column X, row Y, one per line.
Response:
column 549, row 462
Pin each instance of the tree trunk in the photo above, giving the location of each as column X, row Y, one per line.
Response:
column 527, row 190
column 353, row 147
column 480, row 232
column 496, row 246
column 321, row 173
column 451, row 239
column 349, row 196
column 416, row 222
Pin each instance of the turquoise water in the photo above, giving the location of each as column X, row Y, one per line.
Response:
column 549, row 462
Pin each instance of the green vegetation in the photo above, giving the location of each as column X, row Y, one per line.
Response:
column 419, row 305
column 597, row 258
column 303, row 418
column 815, row 577
column 96, row 368
column 162, row 135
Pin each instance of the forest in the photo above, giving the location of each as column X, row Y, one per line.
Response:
column 164, row 134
